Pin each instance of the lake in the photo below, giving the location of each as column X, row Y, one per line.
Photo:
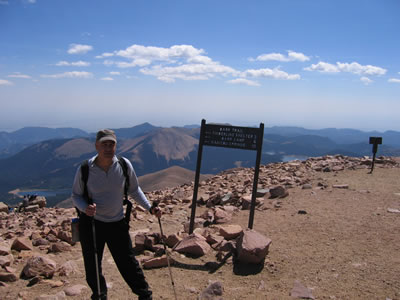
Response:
column 45, row 193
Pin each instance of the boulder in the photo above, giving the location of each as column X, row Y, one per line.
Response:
column 193, row 244
column 59, row 247
column 67, row 268
column 252, row 247
column 6, row 260
column 7, row 277
column 32, row 208
column 65, row 236
column 221, row 216
column 4, row 250
column 157, row 262
column 172, row 240
column 21, row 243
column 3, row 207
column 230, row 232
column 198, row 223
column 39, row 265
column 39, row 200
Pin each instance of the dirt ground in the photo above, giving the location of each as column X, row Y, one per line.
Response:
column 344, row 244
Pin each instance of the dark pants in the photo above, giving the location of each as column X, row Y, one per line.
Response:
column 116, row 235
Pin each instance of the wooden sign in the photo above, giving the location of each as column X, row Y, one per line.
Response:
column 221, row 135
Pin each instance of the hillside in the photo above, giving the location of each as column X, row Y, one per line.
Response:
column 334, row 236
column 168, row 178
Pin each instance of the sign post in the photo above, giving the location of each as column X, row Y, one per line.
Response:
column 375, row 141
column 220, row 135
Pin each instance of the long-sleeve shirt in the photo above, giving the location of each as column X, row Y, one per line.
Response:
column 106, row 189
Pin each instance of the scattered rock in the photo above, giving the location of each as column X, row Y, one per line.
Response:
column 278, row 192
column 212, row 292
column 340, row 186
column 300, row 291
column 74, row 290
column 59, row 296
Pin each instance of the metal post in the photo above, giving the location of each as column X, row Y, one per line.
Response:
column 196, row 180
column 260, row 138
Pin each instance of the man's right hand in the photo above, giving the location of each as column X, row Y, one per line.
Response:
column 90, row 210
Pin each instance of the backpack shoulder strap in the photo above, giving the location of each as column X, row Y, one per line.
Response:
column 124, row 167
column 85, row 177
column 128, row 203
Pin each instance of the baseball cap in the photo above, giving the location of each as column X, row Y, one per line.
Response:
column 106, row 135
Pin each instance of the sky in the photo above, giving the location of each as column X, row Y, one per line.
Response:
column 94, row 64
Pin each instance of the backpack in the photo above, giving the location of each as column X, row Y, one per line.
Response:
column 85, row 177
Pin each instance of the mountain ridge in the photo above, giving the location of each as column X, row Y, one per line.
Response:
column 51, row 164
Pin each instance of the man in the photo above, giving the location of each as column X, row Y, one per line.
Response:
column 105, row 186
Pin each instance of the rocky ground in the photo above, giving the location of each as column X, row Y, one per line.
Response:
column 334, row 229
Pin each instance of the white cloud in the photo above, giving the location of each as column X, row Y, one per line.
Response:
column 3, row 2
column 19, row 75
column 151, row 53
column 107, row 78
column 80, row 63
column 275, row 73
column 354, row 68
column 394, row 80
column 323, row 67
column 189, row 63
column 292, row 56
column 200, row 59
column 188, row 72
column 32, row 1
column 5, row 82
column 366, row 80
column 74, row 74
column 358, row 69
column 244, row 81
column 79, row 49
column 141, row 56
column 105, row 55
column 115, row 73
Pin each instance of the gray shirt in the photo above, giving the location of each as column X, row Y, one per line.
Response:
column 106, row 189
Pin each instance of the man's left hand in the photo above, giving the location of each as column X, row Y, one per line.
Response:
column 155, row 210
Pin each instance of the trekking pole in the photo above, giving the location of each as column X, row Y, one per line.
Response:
column 96, row 262
column 166, row 253
column 96, row 258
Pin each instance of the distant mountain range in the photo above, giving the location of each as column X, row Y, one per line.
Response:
column 44, row 158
